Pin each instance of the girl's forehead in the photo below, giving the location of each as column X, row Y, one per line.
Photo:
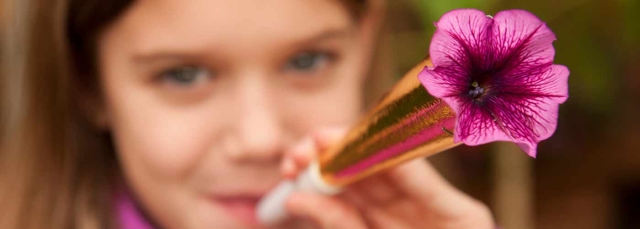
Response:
column 200, row 24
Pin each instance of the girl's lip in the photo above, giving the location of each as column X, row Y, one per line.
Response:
column 241, row 207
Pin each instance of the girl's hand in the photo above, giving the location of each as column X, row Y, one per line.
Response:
column 412, row 195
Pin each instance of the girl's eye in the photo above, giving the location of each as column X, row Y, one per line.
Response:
column 308, row 61
column 185, row 76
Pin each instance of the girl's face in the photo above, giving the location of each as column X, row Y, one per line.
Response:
column 203, row 96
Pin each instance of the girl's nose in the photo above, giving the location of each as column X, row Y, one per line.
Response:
column 259, row 127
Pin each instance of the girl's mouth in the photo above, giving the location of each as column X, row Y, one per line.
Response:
column 242, row 207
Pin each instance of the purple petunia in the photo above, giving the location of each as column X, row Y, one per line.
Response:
column 498, row 76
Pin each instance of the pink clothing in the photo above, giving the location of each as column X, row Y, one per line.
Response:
column 127, row 213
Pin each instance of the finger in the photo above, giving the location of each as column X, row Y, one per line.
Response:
column 353, row 195
column 297, row 158
column 328, row 136
column 420, row 181
column 418, row 178
column 288, row 168
column 391, row 210
column 377, row 190
column 372, row 213
column 385, row 218
column 325, row 211
column 304, row 153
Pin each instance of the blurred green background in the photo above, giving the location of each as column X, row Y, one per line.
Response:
column 587, row 175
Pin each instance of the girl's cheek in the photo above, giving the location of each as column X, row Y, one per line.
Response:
column 165, row 141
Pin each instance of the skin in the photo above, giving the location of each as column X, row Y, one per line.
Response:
column 208, row 115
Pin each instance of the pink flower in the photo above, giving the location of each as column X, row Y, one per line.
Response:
column 498, row 76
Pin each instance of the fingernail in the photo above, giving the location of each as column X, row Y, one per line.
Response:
column 299, row 146
column 288, row 167
column 306, row 147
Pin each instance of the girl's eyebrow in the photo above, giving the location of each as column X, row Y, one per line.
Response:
column 326, row 35
column 171, row 54
column 164, row 56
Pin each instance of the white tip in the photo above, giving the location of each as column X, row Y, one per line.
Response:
column 271, row 209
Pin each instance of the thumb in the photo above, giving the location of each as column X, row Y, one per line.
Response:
column 325, row 211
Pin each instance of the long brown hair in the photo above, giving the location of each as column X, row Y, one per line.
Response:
column 57, row 169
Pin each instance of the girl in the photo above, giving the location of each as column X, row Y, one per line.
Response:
column 184, row 113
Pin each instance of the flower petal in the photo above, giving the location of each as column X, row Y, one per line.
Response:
column 555, row 82
column 525, row 116
column 519, row 39
column 512, row 56
column 529, row 148
column 516, row 123
column 528, row 122
column 460, row 38
column 476, row 125
column 443, row 82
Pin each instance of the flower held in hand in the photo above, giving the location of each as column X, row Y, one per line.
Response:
column 498, row 76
